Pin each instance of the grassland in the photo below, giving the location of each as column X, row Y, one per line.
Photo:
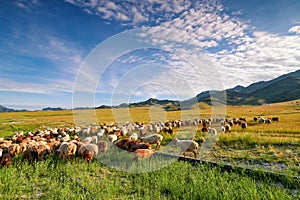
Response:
column 274, row 147
column 56, row 179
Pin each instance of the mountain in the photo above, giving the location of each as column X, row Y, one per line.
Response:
column 168, row 105
column 165, row 104
column 282, row 88
column 4, row 109
column 52, row 109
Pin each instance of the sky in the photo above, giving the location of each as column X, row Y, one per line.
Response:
column 81, row 53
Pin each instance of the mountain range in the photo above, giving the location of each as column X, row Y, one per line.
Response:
column 280, row 89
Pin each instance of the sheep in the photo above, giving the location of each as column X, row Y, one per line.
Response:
column 88, row 151
column 133, row 136
column 90, row 147
column 124, row 131
column 142, row 131
column 67, row 150
column 41, row 151
column 88, row 156
column 134, row 145
column 212, row 131
column 255, row 119
column 268, row 121
column 100, row 133
column 244, row 125
column 143, row 153
column 14, row 149
column 187, row 146
column 102, row 146
column 223, row 129
column 112, row 137
column 36, row 152
column 275, row 119
column 1, row 152
column 23, row 147
column 261, row 120
column 227, row 128
column 123, row 144
column 5, row 160
column 153, row 139
column 204, row 129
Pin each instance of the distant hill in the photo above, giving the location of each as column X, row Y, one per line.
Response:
column 168, row 105
column 280, row 89
column 51, row 109
column 4, row 109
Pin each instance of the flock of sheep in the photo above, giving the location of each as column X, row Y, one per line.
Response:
column 90, row 141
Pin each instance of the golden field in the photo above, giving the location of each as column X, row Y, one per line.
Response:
column 277, row 143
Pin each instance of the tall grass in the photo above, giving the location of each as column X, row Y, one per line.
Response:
column 43, row 180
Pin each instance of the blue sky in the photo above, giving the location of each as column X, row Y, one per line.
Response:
column 45, row 44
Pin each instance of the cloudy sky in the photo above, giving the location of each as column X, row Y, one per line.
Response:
column 50, row 50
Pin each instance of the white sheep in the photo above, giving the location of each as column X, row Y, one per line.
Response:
column 212, row 131
column 133, row 136
column 67, row 150
column 101, row 133
column 187, row 146
column 153, row 139
column 223, row 129
column 261, row 120
column 112, row 137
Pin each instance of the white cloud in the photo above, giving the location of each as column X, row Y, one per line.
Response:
column 37, row 88
column 295, row 29
column 241, row 54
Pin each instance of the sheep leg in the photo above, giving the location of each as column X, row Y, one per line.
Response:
column 157, row 146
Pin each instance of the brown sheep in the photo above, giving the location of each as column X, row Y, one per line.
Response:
column 123, row 143
column 143, row 153
column 5, row 160
column 88, row 155
column 134, row 145
column 14, row 149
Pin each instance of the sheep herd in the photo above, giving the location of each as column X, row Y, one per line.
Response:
column 88, row 142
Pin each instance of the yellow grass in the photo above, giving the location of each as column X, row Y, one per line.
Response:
column 276, row 142
column 288, row 113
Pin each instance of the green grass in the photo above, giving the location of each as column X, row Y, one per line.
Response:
column 43, row 180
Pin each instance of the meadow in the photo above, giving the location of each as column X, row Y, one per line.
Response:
column 273, row 147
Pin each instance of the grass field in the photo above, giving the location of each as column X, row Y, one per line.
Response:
column 56, row 179
column 274, row 147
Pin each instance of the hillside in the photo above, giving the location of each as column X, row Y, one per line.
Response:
column 280, row 89
column 4, row 109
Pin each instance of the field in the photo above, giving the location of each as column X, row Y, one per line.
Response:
column 273, row 147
